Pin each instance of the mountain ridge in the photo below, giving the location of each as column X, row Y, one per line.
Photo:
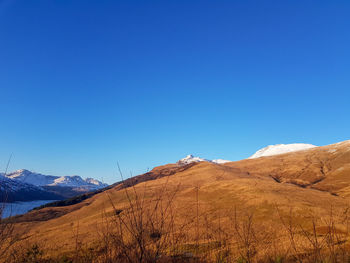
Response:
column 314, row 178
column 277, row 149
column 39, row 179
column 14, row 190
column 24, row 185
column 194, row 159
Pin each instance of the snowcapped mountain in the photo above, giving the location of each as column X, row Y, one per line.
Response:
column 280, row 149
column 95, row 182
column 24, row 185
column 72, row 181
column 38, row 179
column 192, row 159
column 13, row 185
column 29, row 177
column 14, row 190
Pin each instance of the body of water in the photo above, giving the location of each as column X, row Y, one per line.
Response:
column 19, row 208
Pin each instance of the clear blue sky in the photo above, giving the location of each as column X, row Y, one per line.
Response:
column 86, row 84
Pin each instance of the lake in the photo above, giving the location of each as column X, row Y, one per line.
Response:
column 19, row 208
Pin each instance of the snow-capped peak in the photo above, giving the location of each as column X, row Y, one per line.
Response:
column 281, row 149
column 72, row 181
column 29, row 177
column 192, row 159
column 38, row 179
column 94, row 181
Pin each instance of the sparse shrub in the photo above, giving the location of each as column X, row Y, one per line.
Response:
column 241, row 260
column 146, row 228
column 64, row 259
column 33, row 254
column 144, row 231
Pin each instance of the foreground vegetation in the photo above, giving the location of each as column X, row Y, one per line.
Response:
column 149, row 228
column 287, row 208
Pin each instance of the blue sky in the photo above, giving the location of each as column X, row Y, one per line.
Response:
column 86, row 84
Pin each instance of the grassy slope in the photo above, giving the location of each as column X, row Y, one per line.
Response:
column 248, row 184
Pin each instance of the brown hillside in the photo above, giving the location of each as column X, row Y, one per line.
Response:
column 309, row 181
column 324, row 168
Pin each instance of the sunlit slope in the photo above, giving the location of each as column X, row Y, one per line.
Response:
column 260, row 184
column 325, row 168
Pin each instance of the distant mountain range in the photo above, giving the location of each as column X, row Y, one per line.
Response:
column 301, row 183
column 24, row 185
column 14, row 190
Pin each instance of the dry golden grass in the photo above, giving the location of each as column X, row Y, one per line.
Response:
column 291, row 206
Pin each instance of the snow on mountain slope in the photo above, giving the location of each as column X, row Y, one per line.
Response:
column 38, row 179
column 12, row 185
column 220, row 161
column 95, row 182
column 280, row 149
column 72, row 181
column 15, row 190
column 192, row 159
column 29, row 177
